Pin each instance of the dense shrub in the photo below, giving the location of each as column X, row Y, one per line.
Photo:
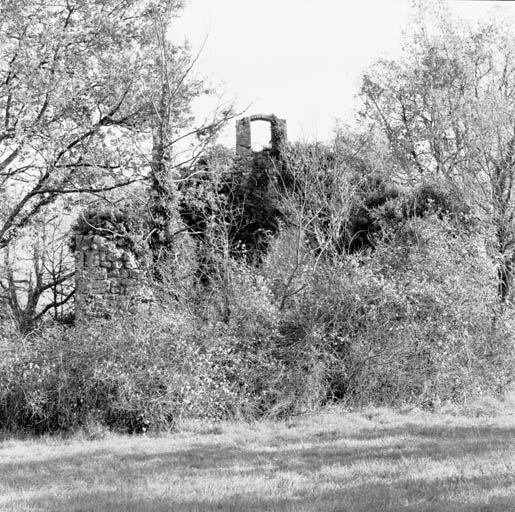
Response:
column 130, row 375
column 270, row 373
column 375, row 204
column 432, row 198
column 238, row 198
column 416, row 320
column 146, row 372
column 380, row 207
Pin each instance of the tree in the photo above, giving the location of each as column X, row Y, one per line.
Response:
column 169, row 126
column 36, row 279
column 448, row 110
column 92, row 98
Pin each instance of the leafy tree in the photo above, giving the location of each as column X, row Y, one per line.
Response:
column 171, row 125
column 93, row 97
column 447, row 109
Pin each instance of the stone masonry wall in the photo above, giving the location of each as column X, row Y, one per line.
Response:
column 244, row 134
column 243, row 137
column 108, row 278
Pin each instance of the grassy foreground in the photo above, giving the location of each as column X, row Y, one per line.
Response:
column 373, row 460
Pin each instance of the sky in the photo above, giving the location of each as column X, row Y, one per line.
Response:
column 299, row 59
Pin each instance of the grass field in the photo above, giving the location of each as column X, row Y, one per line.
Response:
column 373, row 460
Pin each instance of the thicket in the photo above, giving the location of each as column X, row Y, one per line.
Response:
column 412, row 315
column 378, row 269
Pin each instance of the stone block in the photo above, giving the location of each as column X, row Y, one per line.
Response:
column 92, row 259
column 116, row 286
column 94, row 274
column 99, row 287
column 111, row 305
column 113, row 299
column 107, row 246
column 115, row 255
column 79, row 259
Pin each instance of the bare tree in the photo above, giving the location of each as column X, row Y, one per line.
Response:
column 37, row 279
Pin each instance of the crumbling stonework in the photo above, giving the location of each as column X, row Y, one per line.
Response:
column 243, row 137
column 108, row 278
column 244, row 134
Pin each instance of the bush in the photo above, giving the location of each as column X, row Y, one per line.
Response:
column 129, row 375
column 265, row 369
column 145, row 372
column 415, row 320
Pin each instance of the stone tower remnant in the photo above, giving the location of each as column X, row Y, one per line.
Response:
column 109, row 280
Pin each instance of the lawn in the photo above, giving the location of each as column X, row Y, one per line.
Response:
column 336, row 460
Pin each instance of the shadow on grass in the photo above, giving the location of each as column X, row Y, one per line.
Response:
column 408, row 444
column 404, row 495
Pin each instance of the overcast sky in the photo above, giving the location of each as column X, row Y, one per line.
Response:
column 299, row 59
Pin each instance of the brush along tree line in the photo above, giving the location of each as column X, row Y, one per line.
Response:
column 377, row 268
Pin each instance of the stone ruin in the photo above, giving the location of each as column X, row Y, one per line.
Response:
column 256, row 166
column 244, row 135
column 109, row 280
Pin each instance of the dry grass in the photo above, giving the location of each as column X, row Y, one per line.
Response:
column 373, row 460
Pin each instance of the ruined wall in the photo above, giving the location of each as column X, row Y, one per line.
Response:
column 279, row 136
column 244, row 134
column 109, row 280
column 243, row 137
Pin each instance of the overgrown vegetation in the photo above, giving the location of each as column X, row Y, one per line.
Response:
column 375, row 269
column 415, row 318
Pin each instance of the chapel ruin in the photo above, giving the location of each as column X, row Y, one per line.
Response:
column 109, row 278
